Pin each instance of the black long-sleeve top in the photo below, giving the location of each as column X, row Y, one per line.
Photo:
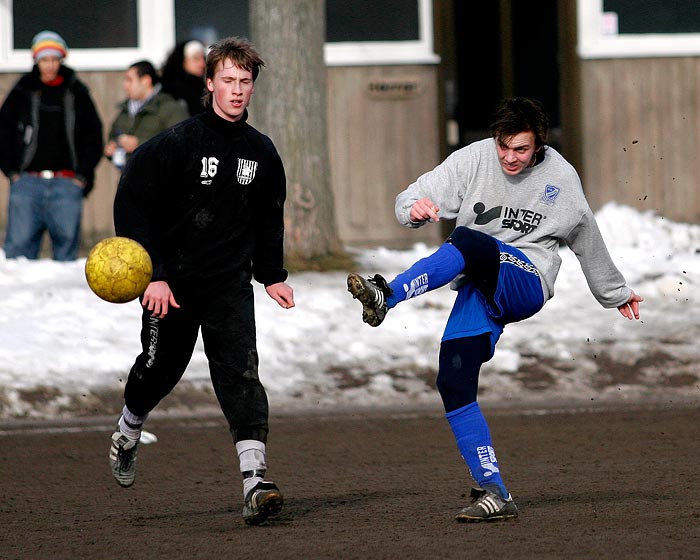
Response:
column 35, row 117
column 205, row 198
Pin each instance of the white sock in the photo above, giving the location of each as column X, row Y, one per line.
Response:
column 251, row 454
column 130, row 424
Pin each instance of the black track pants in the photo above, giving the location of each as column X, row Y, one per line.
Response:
column 225, row 313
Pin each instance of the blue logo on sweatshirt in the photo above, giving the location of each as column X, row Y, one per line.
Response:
column 550, row 194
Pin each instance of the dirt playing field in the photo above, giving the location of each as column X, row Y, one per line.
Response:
column 590, row 484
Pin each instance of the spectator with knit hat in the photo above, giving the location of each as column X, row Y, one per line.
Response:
column 50, row 144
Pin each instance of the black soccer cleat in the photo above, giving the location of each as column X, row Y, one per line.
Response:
column 264, row 500
column 122, row 459
column 372, row 293
column 487, row 506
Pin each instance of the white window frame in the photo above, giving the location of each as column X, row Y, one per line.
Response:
column 594, row 42
column 156, row 34
column 372, row 53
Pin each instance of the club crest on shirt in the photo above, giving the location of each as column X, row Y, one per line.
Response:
column 550, row 194
column 246, row 171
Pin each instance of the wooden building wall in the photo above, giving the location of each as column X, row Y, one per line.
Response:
column 639, row 123
column 632, row 126
column 383, row 133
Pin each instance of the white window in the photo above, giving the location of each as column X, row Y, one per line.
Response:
column 211, row 20
column 111, row 34
column 638, row 28
column 361, row 32
column 101, row 34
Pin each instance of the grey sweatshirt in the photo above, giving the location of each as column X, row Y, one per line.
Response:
column 532, row 211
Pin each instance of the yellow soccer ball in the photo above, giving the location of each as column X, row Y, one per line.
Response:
column 118, row 269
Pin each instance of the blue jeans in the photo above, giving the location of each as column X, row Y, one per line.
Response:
column 38, row 205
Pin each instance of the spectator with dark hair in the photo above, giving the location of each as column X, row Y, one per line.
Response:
column 183, row 74
column 145, row 112
column 50, row 144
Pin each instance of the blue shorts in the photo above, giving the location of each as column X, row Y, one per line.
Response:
column 518, row 295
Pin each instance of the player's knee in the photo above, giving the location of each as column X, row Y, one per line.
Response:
column 443, row 384
column 470, row 242
column 454, row 392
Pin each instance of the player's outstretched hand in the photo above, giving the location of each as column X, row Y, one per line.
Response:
column 157, row 298
column 630, row 310
column 282, row 294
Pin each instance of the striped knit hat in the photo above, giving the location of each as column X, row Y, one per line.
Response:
column 48, row 43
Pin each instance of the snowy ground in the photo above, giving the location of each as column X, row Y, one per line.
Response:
column 63, row 351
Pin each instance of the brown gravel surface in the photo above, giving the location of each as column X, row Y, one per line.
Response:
column 590, row 483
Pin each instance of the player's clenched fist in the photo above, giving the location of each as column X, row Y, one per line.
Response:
column 424, row 210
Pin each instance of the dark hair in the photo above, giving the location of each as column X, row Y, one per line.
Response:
column 520, row 114
column 173, row 65
column 145, row 68
column 239, row 51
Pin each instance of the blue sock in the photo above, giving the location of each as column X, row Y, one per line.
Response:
column 474, row 441
column 427, row 274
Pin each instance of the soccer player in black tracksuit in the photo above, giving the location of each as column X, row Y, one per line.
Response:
column 206, row 199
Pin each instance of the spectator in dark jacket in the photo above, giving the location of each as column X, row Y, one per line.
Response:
column 183, row 74
column 145, row 112
column 50, row 144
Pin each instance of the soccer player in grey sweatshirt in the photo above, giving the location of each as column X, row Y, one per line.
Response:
column 514, row 200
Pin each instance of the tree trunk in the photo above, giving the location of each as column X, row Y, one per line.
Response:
column 289, row 105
